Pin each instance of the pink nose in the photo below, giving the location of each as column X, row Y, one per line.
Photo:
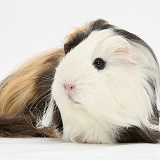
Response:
column 69, row 87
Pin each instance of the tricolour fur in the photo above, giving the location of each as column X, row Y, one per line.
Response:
column 116, row 104
column 24, row 95
column 81, row 103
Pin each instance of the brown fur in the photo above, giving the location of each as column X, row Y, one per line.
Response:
column 20, row 126
column 82, row 33
column 20, row 97
column 75, row 38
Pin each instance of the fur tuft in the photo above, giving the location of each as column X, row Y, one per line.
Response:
column 21, row 126
column 24, row 95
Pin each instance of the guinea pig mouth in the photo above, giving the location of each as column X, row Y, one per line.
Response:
column 72, row 100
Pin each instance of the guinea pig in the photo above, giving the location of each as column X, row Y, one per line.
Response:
column 105, row 89
column 101, row 87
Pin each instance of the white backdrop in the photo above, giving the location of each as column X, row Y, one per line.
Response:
column 28, row 27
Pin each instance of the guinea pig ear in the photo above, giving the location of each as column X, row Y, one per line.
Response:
column 82, row 33
column 124, row 55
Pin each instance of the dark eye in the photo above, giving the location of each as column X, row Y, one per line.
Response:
column 99, row 63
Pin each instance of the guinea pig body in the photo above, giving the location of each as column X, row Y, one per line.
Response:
column 105, row 88
column 102, row 87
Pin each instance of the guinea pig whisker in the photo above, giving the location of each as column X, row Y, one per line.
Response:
column 36, row 115
column 35, row 101
column 30, row 122
column 35, row 108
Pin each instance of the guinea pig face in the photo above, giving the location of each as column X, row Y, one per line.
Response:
column 101, row 83
column 99, row 76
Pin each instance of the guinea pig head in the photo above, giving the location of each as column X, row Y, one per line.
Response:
column 106, row 82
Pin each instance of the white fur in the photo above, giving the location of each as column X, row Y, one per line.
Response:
column 109, row 99
column 48, row 116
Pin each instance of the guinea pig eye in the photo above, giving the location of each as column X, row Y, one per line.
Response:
column 99, row 63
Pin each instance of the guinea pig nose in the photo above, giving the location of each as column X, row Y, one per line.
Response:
column 69, row 87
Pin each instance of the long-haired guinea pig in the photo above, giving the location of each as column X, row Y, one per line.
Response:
column 102, row 87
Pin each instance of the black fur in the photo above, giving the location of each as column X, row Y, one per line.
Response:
column 78, row 37
column 74, row 41
column 132, row 37
column 57, row 121
column 137, row 135
column 44, row 83
column 155, row 116
column 25, row 123
column 21, row 126
column 101, row 24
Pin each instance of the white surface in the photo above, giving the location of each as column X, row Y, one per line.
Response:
column 29, row 27
column 53, row 149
